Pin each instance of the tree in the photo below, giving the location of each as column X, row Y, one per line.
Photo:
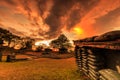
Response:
column 29, row 42
column 7, row 35
column 39, row 48
column 62, row 39
column 54, row 43
column 61, row 42
column 1, row 42
column 47, row 51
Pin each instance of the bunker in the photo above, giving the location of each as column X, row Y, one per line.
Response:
column 99, row 56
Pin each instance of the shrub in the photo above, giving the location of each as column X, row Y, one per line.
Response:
column 63, row 50
column 47, row 51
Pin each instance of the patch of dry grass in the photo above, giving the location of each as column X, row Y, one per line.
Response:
column 40, row 69
column 53, row 55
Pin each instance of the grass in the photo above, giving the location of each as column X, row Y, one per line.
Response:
column 58, row 56
column 40, row 69
column 53, row 55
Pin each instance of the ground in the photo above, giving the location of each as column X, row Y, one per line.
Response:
column 40, row 69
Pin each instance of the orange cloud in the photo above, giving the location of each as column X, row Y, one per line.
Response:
column 47, row 19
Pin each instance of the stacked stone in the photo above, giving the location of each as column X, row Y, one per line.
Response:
column 95, row 63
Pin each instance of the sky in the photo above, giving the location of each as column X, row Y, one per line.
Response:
column 47, row 19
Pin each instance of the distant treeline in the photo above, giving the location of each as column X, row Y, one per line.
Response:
column 14, row 41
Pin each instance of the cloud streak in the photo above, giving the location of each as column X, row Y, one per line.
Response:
column 46, row 19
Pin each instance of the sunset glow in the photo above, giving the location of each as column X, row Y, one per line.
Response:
column 47, row 19
column 38, row 43
column 59, row 39
column 78, row 30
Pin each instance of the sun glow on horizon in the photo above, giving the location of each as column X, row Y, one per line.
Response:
column 78, row 30
column 42, row 42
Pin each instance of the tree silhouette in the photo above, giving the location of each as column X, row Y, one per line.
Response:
column 29, row 43
column 1, row 42
column 6, row 35
column 60, row 42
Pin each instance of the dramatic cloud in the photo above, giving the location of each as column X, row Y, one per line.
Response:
column 46, row 19
column 67, row 13
column 104, row 17
column 14, row 31
column 108, row 21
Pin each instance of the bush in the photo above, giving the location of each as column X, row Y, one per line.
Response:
column 47, row 51
column 39, row 49
column 63, row 50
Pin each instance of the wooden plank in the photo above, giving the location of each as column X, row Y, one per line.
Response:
column 92, row 77
column 102, row 78
column 95, row 67
column 95, row 56
column 110, row 74
column 96, row 64
column 115, row 45
column 92, row 73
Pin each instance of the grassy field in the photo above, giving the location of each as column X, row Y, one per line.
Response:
column 40, row 69
column 53, row 55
